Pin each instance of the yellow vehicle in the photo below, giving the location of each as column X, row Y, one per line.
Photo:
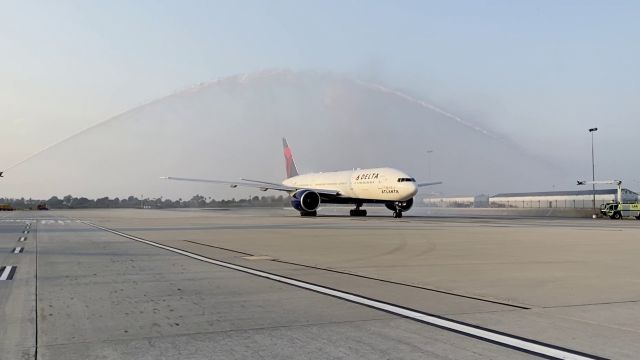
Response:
column 6, row 207
column 618, row 211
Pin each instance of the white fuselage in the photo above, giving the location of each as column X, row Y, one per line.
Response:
column 382, row 184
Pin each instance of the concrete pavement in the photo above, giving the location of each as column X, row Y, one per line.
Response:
column 570, row 283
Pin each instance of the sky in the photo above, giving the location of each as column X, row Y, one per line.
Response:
column 540, row 72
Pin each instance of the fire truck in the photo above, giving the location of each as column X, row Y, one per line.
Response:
column 618, row 211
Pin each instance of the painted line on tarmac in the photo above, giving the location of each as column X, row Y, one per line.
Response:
column 17, row 250
column 22, row 238
column 7, row 272
column 407, row 285
column 496, row 337
column 370, row 278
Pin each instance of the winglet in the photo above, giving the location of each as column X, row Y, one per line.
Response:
column 288, row 158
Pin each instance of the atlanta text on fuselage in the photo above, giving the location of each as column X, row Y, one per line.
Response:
column 391, row 187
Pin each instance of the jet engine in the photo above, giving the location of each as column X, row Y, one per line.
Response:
column 305, row 201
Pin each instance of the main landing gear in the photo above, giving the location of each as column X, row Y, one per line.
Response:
column 397, row 214
column 308, row 213
column 357, row 211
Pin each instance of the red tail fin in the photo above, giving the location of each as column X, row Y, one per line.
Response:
column 288, row 158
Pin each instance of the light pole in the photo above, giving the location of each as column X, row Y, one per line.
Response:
column 593, row 171
column 429, row 152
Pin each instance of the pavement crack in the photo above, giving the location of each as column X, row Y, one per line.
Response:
column 520, row 307
column 511, row 305
column 596, row 323
column 257, row 328
column 482, row 312
column 218, row 247
column 590, row 304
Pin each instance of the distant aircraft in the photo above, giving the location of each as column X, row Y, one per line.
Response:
column 387, row 186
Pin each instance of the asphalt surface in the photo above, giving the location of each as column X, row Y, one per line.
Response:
column 87, row 286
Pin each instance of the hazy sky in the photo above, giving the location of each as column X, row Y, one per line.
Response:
column 541, row 72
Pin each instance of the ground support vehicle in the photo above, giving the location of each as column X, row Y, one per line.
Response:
column 619, row 211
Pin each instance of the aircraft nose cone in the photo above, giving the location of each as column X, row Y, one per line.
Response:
column 413, row 189
column 409, row 190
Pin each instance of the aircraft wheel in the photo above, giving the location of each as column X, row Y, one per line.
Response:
column 357, row 212
column 308, row 213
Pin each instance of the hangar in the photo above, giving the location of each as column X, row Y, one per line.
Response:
column 478, row 201
column 580, row 199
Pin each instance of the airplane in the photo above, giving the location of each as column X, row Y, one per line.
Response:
column 393, row 188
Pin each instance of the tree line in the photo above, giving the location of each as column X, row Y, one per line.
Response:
column 197, row 201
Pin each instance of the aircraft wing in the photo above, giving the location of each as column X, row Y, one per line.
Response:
column 429, row 184
column 261, row 182
column 261, row 185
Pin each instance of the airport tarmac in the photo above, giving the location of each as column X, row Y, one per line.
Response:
column 266, row 283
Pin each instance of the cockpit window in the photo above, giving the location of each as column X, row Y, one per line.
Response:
column 406, row 179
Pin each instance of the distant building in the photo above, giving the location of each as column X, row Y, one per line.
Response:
column 458, row 201
column 581, row 199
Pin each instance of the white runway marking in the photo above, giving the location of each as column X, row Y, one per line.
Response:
column 7, row 272
column 22, row 238
column 18, row 250
column 50, row 222
column 496, row 337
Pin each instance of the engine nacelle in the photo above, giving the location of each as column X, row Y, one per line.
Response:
column 305, row 201
column 400, row 205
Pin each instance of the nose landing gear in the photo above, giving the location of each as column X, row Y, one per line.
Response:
column 398, row 207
